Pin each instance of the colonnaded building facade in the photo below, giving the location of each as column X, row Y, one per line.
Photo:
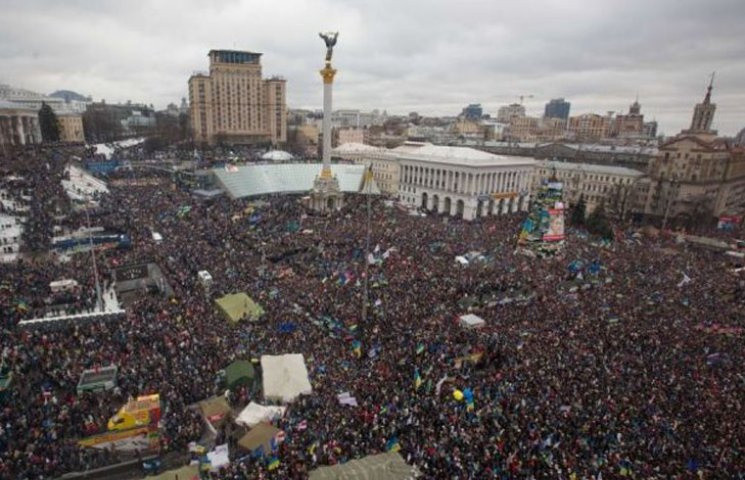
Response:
column 456, row 181
column 233, row 104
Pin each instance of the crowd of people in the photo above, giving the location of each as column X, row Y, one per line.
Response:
column 622, row 361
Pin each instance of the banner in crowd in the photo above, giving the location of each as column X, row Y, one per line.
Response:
column 555, row 230
column 142, row 439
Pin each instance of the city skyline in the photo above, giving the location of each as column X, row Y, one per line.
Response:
column 408, row 58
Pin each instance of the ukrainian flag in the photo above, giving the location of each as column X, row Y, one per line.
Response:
column 357, row 348
column 312, row 448
column 392, row 445
column 417, row 379
column 273, row 463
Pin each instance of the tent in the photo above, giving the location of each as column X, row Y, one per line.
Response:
column 215, row 409
column 471, row 321
column 187, row 472
column 237, row 306
column 254, row 414
column 384, row 466
column 259, row 437
column 285, row 377
column 238, row 373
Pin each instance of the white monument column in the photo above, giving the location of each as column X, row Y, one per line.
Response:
column 325, row 195
column 328, row 82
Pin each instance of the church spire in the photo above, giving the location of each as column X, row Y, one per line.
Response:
column 707, row 99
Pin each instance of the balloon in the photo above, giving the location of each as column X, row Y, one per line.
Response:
column 458, row 395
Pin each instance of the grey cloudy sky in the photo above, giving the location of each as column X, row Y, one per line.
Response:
column 428, row 56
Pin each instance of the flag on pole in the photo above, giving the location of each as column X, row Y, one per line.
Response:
column 417, row 379
column 357, row 348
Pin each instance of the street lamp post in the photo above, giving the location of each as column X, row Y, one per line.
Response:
column 99, row 302
column 368, row 174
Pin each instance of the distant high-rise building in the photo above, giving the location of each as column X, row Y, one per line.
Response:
column 473, row 112
column 630, row 125
column 557, row 108
column 507, row 112
column 234, row 104
column 590, row 126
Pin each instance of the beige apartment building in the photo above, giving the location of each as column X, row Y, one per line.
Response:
column 629, row 125
column 351, row 135
column 695, row 175
column 589, row 126
column 70, row 127
column 614, row 186
column 523, row 129
column 384, row 167
column 234, row 104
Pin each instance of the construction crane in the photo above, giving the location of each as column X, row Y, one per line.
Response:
column 521, row 97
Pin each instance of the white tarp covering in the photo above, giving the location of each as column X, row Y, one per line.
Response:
column 472, row 321
column 254, row 414
column 219, row 457
column 285, row 377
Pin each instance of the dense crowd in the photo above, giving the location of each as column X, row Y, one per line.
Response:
column 622, row 370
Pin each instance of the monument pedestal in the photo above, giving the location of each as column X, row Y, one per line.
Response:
column 326, row 196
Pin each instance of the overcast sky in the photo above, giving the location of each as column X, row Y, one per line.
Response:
column 429, row 56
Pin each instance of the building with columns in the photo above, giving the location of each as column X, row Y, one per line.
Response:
column 19, row 125
column 461, row 181
column 69, row 118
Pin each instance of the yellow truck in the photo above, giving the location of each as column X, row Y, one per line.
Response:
column 139, row 412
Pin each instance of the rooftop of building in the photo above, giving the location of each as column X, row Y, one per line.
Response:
column 7, row 105
column 353, row 147
column 221, row 50
column 589, row 168
column 464, row 156
column 234, row 56
column 254, row 180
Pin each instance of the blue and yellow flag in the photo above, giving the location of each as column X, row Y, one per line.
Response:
column 272, row 464
column 392, row 445
column 357, row 348
column 417, row 379
column 312, row 448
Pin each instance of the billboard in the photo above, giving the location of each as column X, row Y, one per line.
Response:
column 555, row 230
column 141, row 438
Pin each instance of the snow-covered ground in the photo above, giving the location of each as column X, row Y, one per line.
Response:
column 107, row 149
column 110, row 307
column 82, row 186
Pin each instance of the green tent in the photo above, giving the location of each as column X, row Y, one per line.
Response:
column 240, row 372
column 237, row 306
